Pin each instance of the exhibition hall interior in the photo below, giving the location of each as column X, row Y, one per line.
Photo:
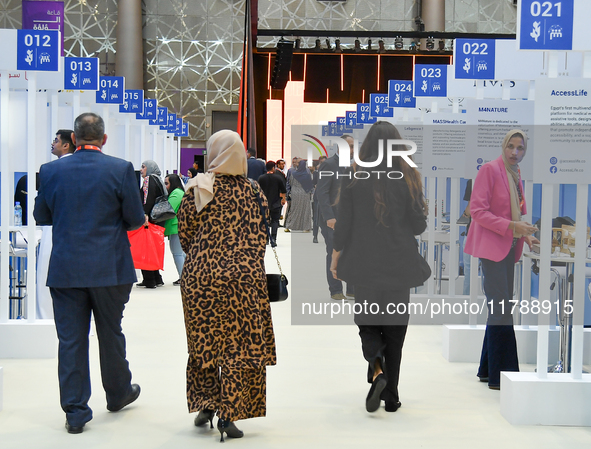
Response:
column 475, row 113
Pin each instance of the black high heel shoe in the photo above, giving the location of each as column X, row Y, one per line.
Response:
column 203, row 417
column 230, row 428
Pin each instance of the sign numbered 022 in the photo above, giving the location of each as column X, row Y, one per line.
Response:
column 38, row 50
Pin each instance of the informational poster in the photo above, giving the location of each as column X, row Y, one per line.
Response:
column 413, row 131
column 488, row 121
column 444, row 145
column 563, row 131
column 44, row 15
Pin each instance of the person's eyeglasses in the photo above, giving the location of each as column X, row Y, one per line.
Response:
column 55, row 140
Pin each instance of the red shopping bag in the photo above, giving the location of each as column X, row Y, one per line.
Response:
column 147, row 247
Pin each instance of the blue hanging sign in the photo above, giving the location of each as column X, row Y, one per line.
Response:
column 546, row 25
column 111, row 90
column 133, row 101
column 185, row 130
column 162, row 118
column 475, row 59
column 378, row 106
column 81, row 74
column 178, row 131
column 401, row 94
column 38, row 50
column 430, row 80
column 351, row 117
column 171, row 124
column 363, row 115
column 332, row 128
column 325, row 130
column 150, row 112
column 342, row 126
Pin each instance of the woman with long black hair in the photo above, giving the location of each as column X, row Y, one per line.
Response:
column 381, row 209
column 175, row 189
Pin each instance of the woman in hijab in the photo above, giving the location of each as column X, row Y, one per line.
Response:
column 300, row 186
column 152, row 188
column 496, row 236
column 375, row 250
column 223, row 285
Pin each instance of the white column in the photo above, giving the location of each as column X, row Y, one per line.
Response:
column 6, row 196
column 31, row 188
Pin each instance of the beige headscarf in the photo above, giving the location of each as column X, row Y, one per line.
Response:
column 226, row 156
column 513, row 176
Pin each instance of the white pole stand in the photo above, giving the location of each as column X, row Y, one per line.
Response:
column 24, row 340
column 555, row 400
column 1, row 389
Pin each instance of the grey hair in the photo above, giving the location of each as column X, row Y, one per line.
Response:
column 89, row 127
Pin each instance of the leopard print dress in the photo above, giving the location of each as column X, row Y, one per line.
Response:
column 228, row 322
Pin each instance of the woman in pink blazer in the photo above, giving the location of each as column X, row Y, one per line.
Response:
column 496, row 236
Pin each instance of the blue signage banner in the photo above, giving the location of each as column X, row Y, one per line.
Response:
column 378, row 106
column 81, row 74
column 44, row 15
column 430, row 80
column 332, row 128
column 38, row 50
column 351, row 117
column 546, row 25
column 171, row 124
column 150, row 112
column 162, row 119
column 342, row 126
column 363, row 114
column 178, row 131
column 111, row 90
column 185, row 130
column 133, row 101
column 325, row 130
column 401, row 94
column 475, row 59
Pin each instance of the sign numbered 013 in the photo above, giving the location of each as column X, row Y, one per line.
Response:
column 81, row 74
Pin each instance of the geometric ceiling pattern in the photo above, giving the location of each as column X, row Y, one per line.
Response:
column 193, row 48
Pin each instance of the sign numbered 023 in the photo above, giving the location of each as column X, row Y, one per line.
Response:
column 38, row 50
column 430, row 80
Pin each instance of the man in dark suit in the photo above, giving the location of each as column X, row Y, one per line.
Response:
column 256, row 168
column 315, row 211
column 327, row 195
column 274, row 189
column 91, row 269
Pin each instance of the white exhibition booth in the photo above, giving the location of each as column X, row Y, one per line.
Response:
column 33, row 106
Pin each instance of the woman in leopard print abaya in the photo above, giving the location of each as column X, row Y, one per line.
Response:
column 223, row 285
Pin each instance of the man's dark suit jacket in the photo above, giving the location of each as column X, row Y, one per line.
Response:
column 91, row 200
column 256, row 168
column 327, row 189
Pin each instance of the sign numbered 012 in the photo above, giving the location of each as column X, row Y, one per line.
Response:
column 38, row 50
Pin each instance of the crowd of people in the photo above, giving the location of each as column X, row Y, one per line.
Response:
column 368, row 225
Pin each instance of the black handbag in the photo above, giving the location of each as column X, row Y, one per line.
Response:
column 276, row 283
column 162, row 210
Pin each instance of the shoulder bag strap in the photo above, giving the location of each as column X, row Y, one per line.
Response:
column 271, row 240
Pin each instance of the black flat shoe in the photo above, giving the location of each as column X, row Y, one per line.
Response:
column 372, row 403
column 131, row 397
column 140, row 284
column 74, row 429
column 483, row 379
column 203, row 416
column 392, row 406
column 230, row 428
column 159, row 284
column 315, row 240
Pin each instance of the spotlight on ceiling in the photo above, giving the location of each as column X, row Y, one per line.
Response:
column 357, row 46
column 298, row 42
column 398, row 43
column 430, row 43
column 337, row 45
column 412, row 48
column 369, row 44
column 442, row 45
column 328, row 47
column 381, row 46
column 317, row 46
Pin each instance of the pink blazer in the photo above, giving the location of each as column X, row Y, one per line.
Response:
column 490, row 206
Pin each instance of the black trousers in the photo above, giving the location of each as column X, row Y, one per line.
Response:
column 499, row 348
column 383, row 343
column 275, row 215
column 72, row 308
column 151, row 277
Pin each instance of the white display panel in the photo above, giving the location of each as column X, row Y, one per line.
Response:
column 488, row 123
column 563, row 131
column 444, row 145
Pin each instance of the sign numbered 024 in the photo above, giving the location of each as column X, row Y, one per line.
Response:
column 38, row 50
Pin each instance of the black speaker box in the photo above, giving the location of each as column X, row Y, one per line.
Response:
column 280, row 75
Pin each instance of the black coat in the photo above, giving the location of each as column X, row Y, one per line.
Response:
column 372, row 254
column 327, row 189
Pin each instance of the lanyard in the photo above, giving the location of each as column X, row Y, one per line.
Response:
column 88, row 147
